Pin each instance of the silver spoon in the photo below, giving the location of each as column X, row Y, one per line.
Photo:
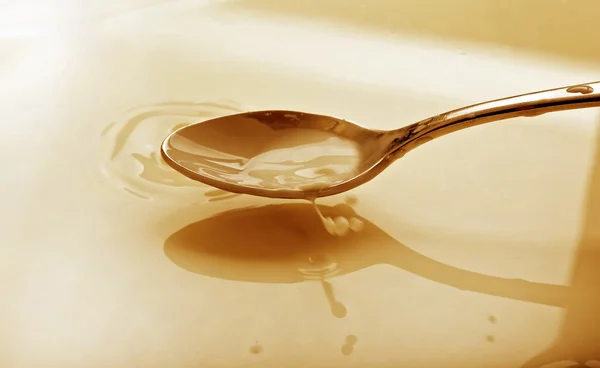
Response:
column 297, row 155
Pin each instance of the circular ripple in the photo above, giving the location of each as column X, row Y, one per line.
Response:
column 133, row 161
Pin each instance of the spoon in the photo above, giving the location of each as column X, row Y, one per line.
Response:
column 298, row 155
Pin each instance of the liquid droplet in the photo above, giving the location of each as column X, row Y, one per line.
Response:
column 133, row 160
column 348, row 347
column 356, row 224
column 340, row 225
column 256, row 349
column 584, row 90
column 351, row 200
column 490, row 338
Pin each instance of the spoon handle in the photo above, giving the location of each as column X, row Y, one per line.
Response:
column 530, row 104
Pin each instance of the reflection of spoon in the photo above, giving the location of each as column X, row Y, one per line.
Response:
column 273, row 244
column 233, row 152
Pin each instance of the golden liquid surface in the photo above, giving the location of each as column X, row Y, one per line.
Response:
column 247, row 153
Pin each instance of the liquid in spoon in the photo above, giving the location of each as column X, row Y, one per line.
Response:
column 264, row 158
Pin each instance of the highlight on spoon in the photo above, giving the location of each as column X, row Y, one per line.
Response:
column 279, row 154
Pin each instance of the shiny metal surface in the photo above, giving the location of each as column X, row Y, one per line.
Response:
column 378, row 149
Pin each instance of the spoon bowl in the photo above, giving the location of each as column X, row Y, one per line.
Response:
column 278, row 154
column 298, row 155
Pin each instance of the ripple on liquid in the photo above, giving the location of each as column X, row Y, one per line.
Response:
column 133, row 160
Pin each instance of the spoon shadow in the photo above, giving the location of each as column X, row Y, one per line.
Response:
column 286, row 243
